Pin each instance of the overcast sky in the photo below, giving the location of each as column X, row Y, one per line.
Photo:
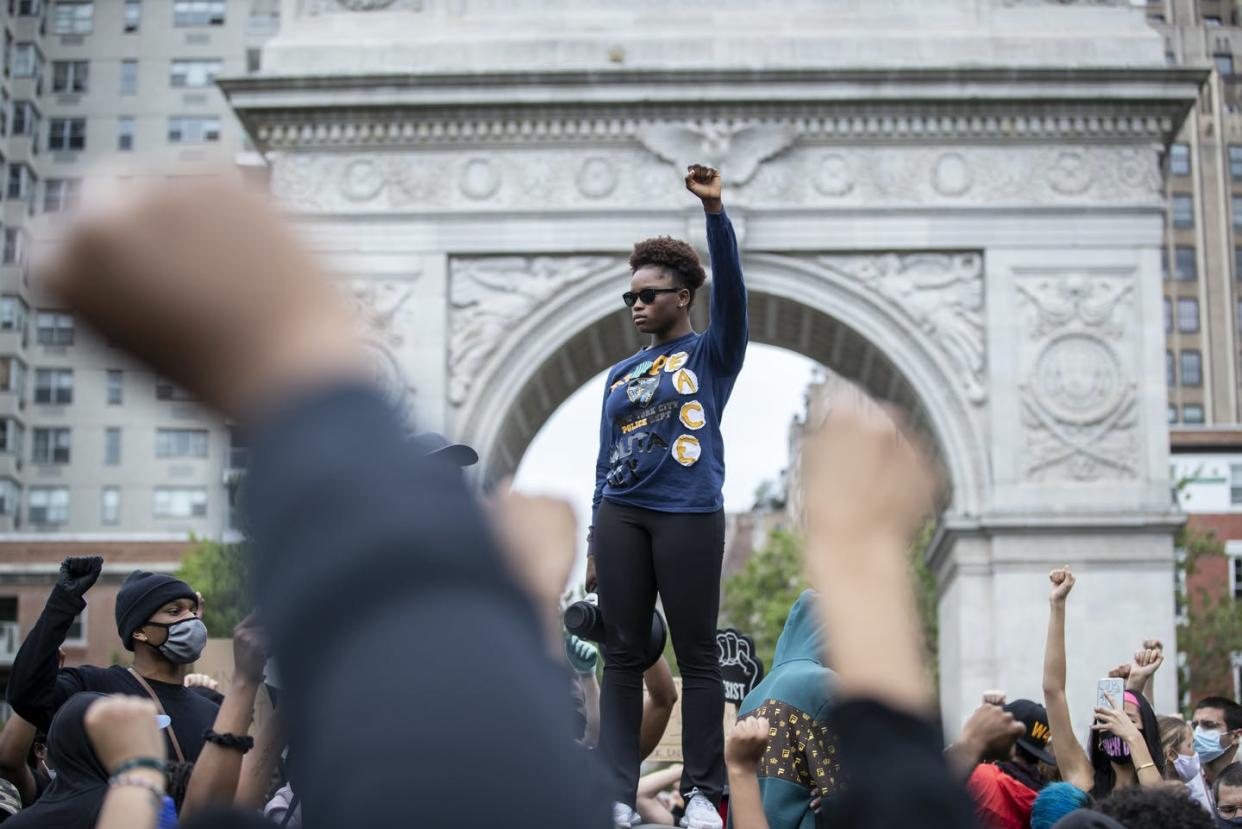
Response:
column 755, row 426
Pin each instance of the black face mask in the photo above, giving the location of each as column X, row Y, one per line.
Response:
column 1113, row 747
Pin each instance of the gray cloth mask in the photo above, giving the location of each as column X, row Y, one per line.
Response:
column 185, row 641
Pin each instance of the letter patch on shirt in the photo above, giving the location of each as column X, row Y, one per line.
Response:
column 685, row 381
column 675, row 361
column 641, row 391
column 692, row 416
column 686, row 450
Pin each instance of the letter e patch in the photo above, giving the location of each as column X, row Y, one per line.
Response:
column 675, row 361
column 686, row 450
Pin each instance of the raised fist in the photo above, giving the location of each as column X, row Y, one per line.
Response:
column 1062, row 583
column 77, row 574
column 734, row 651
column 746, row 743
column 704, row 182
column 123, row 728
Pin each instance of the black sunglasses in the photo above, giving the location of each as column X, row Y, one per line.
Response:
column 647, row 295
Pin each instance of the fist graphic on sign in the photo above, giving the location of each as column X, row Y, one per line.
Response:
column 739, row 669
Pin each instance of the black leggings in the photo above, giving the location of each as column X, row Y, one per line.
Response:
column 637, row 553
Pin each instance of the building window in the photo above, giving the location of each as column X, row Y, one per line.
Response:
column 133, row 15
column 1172, row 414
column 167, row 390
column 180, row 502
column 70, row 75
column 1192, row 369
column 49, row 505
column 193, row 129
column 54, row 328
column 25, row 119
column 125, row 133
column 22, row 183
column 10, row 497
column 198, row 12
column 70, row 134
column 1235, row 484
column 116, row 386
column 12, row 375
column 112, row 446
column 15, row 246
column 1179, row 160
column 1168, row 315
column 1185, row 267
column 26, row 60
column 194, row 72
column 1211, row 22
column 11, row 437
column 1170, row 372
column 54, row 386
column 12, row 314
column 1192, row 413
column 73, row 17
column 1235, row 161
column 61, row 194
column 28, row 8
column 181, row 443
column 129, row 77
column 110, row 506
column 1183, row 211
column 50, row 446
column 1187, row 315
column 1224, row 64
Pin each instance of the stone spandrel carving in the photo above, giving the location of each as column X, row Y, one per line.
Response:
column 383, row 304
column 1079, row 397
column 489, row 296
column 939, row 293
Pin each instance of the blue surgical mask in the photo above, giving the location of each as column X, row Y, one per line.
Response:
column 1207, row 744
column 1228, row 822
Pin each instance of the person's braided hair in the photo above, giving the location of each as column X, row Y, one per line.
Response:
column 676, row 258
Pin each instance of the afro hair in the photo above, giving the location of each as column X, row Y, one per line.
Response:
column 1145, row 807
column 676, row 257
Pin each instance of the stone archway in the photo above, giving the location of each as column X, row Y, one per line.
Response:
column 908, row 328
column 477, row 170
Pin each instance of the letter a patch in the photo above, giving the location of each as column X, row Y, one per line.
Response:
column 685, row 381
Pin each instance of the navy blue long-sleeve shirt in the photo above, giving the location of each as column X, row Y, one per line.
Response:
column 660, row 446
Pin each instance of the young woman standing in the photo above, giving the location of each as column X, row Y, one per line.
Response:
column 658, row 510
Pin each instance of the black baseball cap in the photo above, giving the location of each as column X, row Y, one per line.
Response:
column 433, row 444
column 1035, row 717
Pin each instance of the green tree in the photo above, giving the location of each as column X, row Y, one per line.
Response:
column 1210, row 629
column 757, row 600
column 219, row 572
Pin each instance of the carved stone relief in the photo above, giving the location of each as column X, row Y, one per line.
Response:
column 314, row 7
column 490, row 295
column 1079, row 396
column 631, row 177
column 940, row 294
column 383, row 305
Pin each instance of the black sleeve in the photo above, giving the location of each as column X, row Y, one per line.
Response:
column 399, row 635
column 36, row 687
column 894, row 767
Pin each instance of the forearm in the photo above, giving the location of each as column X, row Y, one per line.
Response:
column 963, row 756
column 745, row 802
column 728, row 333
column 132, row 807
column 259, row 764
column 216, row 773
column 652, row 784
column 882, row 657
column 1148, row 774
column 1054, row 649
column 32, row 683
column 15, row 741
column 659, row 708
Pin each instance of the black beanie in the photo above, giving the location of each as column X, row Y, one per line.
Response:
column 141, row 596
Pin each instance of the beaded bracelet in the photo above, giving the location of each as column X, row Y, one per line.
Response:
column 141, row 763
column 157, row 792
column 232, row 741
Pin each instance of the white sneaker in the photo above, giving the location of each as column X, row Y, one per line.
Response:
column 700, row 813
column 623, row 817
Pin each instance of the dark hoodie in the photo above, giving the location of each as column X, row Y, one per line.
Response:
column 795, row 697
column 73, row 799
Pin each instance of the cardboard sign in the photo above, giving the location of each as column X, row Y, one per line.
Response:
column 740, row 669
column 669, row 748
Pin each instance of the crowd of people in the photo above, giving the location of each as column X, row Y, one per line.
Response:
column 425, row 675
